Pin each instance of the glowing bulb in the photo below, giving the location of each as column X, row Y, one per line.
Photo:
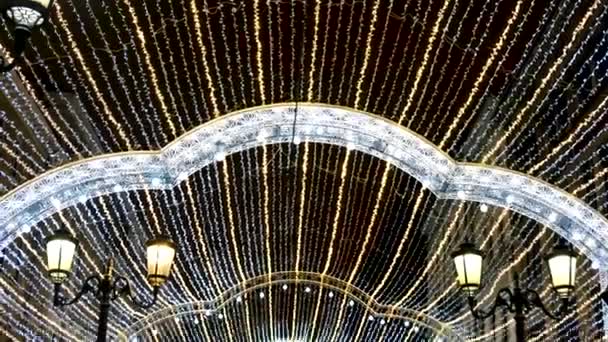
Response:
column 382, row 322
column 370, row 318
column 117, row 188
column 239, row 299
column 552, row 217
column 220, row 156
column 510, row 199
column 351, row 303
column 56, row 203
column 220, row 316
column 284, row 287
column 262, row 295
column 483, row 208
column 307, row 289
column 331, row 295
column 460, row 194
column 82, row 198
column 155, row 182
column 297, row 140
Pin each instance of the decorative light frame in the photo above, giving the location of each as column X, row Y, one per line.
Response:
column 293, row 278
column 80, row 181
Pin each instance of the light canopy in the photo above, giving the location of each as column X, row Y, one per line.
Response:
column 60, row 251
column 160, row 253
column 469, row 262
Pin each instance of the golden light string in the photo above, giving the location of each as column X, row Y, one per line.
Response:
column 368, row 233
column 589, row 119
column 256, row 239
column 317, row 218
column 410, row 69
column 39, row 140
column 266, row 213
column 91, row 80
column 313, row 52
column 31, row 94
column 155, row 220
column 35, row 313
column 201, row 238
column 397, row 255
column 142, row 93
column 152, row 72
column 19, row 161
column 487, row 65
column 431, row 71
column 50, row 121
column 228, row 206
column 444, row 65
column 324, row 49
column 420, row 255
column 446, row 94
column 221, row 231
column 259, row 51
column 436, row 254
column 422, row 68
column 401, row 204
column 334, row 231
column 214, row 60
column 270, row 41
column 391, row 59
column 199, row 39
column 292, row 48
column 281, row 49
column 530, row 48
column 232, row 226
column 543, row 82
column 334, row 54
column 174, row 90
column 497, row 73
column 355, row 217
column 18, row 148
column 191, row 246
column 368, row 48
column 349, row 30
column 570, row 101
column 106, row 79
column 192, row 90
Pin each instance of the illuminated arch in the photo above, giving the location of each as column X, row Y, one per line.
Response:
column 262, row 282
column 280, row 123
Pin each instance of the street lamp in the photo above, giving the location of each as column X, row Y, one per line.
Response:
column 61, row 249
column 26, row 15
column 562, row 266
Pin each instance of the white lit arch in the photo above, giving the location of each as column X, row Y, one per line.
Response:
column 245, row 129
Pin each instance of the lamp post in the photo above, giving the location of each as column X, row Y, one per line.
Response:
column 562, row 265
column 26, row 15
column 61, row 249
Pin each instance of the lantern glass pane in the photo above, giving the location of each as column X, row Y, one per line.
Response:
column 563, row 273
column 160, row 258
column 60, row 257
column 468, row 268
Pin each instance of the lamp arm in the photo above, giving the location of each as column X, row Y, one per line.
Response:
column 503, row 298
column 534, row 299
column 121, row 287
column 91, row 284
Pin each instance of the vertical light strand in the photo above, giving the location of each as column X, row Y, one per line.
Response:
column 425, row 59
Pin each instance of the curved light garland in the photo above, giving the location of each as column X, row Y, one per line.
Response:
column 238, row 131
column 239, row 291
